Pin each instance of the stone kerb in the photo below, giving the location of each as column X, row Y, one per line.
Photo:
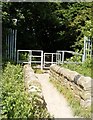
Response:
column 79, row 84
column 33, row 87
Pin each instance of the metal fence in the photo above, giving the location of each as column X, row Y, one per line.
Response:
column 70, row 53
column 51, row 58
column 11, row 38
column 30, row 57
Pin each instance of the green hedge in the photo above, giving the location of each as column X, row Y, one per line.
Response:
column 14, row 99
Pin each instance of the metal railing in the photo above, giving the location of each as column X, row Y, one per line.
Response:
column 51, row 58
column 31, row 58
column 63, row 59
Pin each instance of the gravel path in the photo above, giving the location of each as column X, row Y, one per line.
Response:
column 56, row 103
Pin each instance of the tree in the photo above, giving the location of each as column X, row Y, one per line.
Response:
column 48, row 26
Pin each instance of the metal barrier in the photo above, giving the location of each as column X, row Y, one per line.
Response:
column 44, row 59
column 51, row 58
column 31, row 56
column 70, row 52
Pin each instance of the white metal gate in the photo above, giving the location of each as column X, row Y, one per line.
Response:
column 63, row 57
column 30, row 57
column 51, row 58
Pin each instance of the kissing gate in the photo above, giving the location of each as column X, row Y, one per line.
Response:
column 34, row 57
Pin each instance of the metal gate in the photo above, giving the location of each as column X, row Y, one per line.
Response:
column 31, row 57
column 11, row 38
column 51, row 58
column 87, row 48
column 69, row 53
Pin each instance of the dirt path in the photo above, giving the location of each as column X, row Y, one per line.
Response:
column 56, row 103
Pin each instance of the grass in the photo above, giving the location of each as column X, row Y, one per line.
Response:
column 84, row 69
column 77, row 109
column 38, row 71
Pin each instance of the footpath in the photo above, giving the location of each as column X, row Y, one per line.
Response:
column 56, row 103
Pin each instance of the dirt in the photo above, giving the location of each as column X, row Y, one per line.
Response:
column 56, row 103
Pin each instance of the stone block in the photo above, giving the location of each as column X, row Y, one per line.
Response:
column 84, row 82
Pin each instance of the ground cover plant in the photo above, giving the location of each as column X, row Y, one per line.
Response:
column 14, row 98
column 77, row 109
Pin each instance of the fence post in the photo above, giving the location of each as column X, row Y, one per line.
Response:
column 30, row 55
column 15, row 45
column 17, row 56
column 41, row 60
column 52, row 58
column 62, row 57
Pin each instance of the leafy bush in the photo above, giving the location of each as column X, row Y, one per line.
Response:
column 15, row 100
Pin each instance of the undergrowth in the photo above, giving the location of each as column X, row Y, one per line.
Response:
column 14, row 100
column 77, row 109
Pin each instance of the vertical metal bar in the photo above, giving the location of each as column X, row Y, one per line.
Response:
column 84, row 56
column 41, row 60
column 30, row 57
column 6, row 46
column 62, row 57
column 44, row 60
column 12, row 44
column 9, row 48
column 52, row 59
column 15, row 42
column 56, row 55
column 59, row 58
column 17, row 56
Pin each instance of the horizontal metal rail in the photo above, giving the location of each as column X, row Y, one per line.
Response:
column 31, row 56
column 71, row 52
column 52, row 59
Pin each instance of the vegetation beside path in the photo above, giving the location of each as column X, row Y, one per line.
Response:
column 73, row 102
column 14, row 98
column 85, row 69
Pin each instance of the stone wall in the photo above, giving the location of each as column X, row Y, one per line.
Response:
column 32, row 86
column 79, row 84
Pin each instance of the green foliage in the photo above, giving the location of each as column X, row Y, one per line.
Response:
column 57, row 26
column 23, row 56
column 84, row 68
column 73, row 102
column 15, row 100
